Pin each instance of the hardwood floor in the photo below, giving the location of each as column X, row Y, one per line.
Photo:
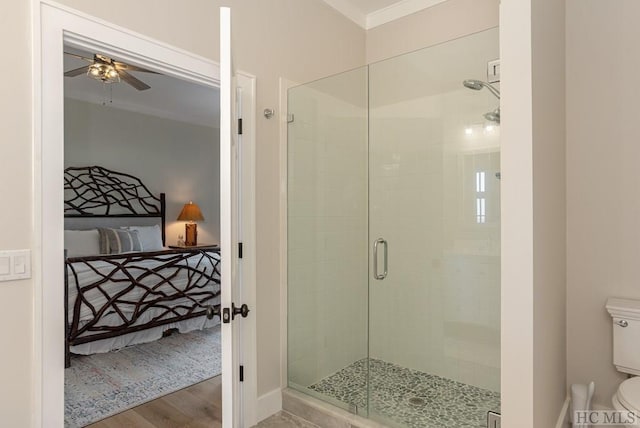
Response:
column 198, row 406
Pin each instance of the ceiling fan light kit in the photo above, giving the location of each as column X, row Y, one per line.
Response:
column 104, row 72
column 108, row 70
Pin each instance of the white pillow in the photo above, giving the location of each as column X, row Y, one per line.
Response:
column 82, row 243
column 150, row 237
column 119, row 241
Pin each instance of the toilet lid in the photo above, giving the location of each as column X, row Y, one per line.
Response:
column 629, row 394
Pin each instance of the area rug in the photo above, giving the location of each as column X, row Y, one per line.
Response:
column 102, row 385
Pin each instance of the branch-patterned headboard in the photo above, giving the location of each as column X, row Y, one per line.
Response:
column 94, row 191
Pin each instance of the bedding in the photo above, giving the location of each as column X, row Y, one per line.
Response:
column 80, row 243
column 136, row 289
column 155, row 276
column 147, row 335
column 118, row 241
column 150, row 237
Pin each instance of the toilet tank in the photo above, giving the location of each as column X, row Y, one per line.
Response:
column 626, row 334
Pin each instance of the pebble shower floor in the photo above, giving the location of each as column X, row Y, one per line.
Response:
column 410, row 397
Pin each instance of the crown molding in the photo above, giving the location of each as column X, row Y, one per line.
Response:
column 398, row 10
column 380, row 16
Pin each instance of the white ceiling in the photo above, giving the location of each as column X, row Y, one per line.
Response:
column 371, row 13
column 168, row 97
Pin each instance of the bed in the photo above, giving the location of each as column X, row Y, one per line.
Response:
column 123, row 286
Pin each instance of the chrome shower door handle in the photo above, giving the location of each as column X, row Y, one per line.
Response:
column 385, row 259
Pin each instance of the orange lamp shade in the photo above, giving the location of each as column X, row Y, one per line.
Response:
column 190, row 212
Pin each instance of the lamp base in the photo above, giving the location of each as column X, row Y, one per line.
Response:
column 191, row 234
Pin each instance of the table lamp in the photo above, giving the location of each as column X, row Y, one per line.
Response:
column 190, row 213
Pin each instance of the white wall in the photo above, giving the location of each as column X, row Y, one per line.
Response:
column 177, row 158
column 274, row 38
column 549, row 215
column 603, row 237
column 533, row 212
column 16, row 298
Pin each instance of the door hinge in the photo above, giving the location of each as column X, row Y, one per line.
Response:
column 241, row 373
column 239, row 250
column 239, row 126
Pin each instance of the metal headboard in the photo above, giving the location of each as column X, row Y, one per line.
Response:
column 94, row 191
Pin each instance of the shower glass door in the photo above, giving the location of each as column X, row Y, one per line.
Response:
column 434, row 236
column 393, row 237
column 327, row 239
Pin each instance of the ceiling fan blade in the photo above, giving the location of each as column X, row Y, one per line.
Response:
column 133, row 81
column 79, row 56
column 77, row 71
column 129, row 67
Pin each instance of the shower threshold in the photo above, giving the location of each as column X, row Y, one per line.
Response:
column 409, row 397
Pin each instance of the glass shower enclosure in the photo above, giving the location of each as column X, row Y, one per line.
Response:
column 393, row 237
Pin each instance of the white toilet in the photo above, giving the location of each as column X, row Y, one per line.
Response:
column 626, row 352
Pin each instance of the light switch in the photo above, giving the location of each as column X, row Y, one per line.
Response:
column 15, row 264
column 4, row 265
column 19, row 265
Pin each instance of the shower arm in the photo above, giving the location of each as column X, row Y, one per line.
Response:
column 492, row 89
column 477, row 85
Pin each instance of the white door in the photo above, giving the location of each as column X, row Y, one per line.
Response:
column 231, row 215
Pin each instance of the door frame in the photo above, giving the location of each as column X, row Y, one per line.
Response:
column 54, row 26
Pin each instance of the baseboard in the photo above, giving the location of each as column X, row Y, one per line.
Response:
column 563, row 418
column 269, row 404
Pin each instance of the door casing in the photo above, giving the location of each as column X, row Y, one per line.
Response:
column 54, row 26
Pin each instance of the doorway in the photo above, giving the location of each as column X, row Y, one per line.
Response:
column 131, row 127
column 55, row 27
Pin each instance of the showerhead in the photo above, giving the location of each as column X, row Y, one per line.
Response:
column 477, row 85
column 493, row 116
column 473, row 84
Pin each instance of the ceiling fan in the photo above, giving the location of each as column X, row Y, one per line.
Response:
column 108, row 70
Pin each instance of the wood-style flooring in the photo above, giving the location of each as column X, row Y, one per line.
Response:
column 198, row 406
